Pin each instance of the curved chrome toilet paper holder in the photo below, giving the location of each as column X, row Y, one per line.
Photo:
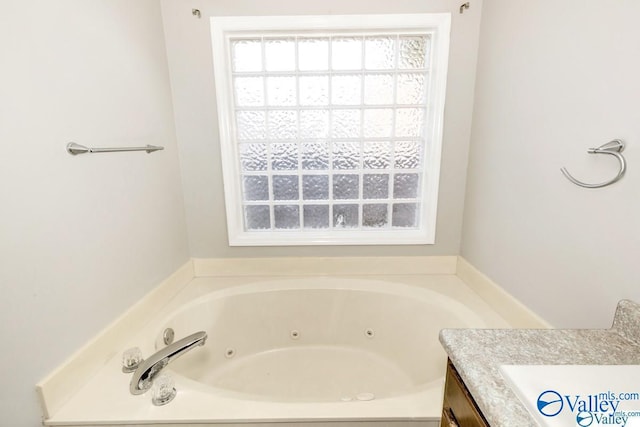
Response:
column 613, row 148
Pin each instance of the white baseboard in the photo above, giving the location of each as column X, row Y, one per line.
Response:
column 317, row 266
column 512, row 310
column 57, row 387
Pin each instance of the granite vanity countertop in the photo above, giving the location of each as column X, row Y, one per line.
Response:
column 477, row 355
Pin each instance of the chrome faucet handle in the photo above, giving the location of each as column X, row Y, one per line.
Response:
column 163, row 390
column 131, row 359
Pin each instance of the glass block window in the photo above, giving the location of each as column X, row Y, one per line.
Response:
column 330, row 136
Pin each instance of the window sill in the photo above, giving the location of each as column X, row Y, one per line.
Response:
column 317, row 238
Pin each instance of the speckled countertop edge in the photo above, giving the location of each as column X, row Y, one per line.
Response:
column 627, row 320
column 478, row 354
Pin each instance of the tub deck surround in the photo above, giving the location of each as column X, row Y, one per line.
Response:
column 477, row 355
column 64, row 381
column 105, row 399
column 322, row 266
column 78, row 392
column 512, row 310
column 60, row 385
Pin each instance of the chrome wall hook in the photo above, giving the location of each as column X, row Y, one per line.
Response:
column 612, row 148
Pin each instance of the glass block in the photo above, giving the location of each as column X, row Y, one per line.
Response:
column 255, row 187
column 284, row 156
column 346, row 53
column 314, row 90
column 346, row 186
column 286, row 216
column 280, row 55
column 281, row 91
column 257, row 217
column 404, row 215
column 413, row 52
column 346, row 90
column 313, row 54
column 314, row 124
column 375, row 186
column 249, row 91
column 407, row 154
column 315, row 156
column 285, row 187
column 253, row 157
column 315, row 216
column 376, row 155
column 315, row 187
column 411, row 89
column 409, row 122
column 405, row 185
column 346, row 155
column 250, row 125
column 345, row 123
column 345, row 216
column 380, row 53
column 378, row 89
column 246, row 55
column 378, row 123
column 282, row 124
column 374, row 215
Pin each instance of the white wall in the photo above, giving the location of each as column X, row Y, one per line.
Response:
column 190, row 64
column 81, row 238
column 555, row 78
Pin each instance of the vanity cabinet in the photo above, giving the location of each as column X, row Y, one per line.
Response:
column 459, row 409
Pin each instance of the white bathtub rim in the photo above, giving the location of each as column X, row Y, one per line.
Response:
column 387, row 287
column 195, row 406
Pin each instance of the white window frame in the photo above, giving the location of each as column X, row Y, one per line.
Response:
column 437, row 25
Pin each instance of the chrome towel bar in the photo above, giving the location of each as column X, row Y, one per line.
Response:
column 612, row 148
column 74, row 149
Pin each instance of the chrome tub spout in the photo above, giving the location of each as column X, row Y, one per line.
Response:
column 150, row 367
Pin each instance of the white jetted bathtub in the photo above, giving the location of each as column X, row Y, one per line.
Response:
column 335, row 342
column 321, row 349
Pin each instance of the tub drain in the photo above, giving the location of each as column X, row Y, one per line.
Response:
column 229, row 353
column 365, row 396
column 369, row 333
column 294, row 334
